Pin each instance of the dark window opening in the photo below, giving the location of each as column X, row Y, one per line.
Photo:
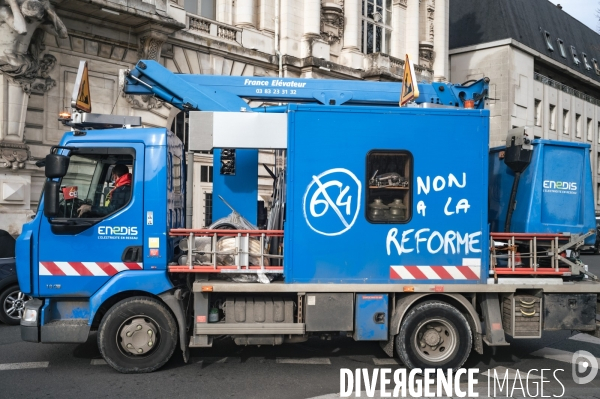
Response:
column 206, row 174
column 548, row 40
column 207, row 209
column 575, row 57
column 389, row 186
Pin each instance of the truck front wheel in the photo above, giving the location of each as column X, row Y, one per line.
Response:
column 434, row 334
column 137, row 335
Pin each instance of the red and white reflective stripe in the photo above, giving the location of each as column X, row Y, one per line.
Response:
column 435, row 272
column 86, row 268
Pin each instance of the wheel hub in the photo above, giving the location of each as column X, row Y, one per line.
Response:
column 138, row 337
column 436, row 340
column 432, row 337
column 14, row 304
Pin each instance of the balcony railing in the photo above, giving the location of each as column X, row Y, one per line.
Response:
column 564, row 88
column 205, row 26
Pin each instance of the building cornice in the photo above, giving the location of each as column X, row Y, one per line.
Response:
column 529, row 50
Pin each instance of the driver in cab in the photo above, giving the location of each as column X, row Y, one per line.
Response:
column 116, row 198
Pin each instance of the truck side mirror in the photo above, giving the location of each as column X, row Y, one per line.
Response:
column 56, row 165
column 51, row 190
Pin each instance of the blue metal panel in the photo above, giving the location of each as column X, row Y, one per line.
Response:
column 555, row 193
column 239, row 190
column 366, row 325
column 23, row 258
column 156, row 192
column 153, row 282
column 330, row 144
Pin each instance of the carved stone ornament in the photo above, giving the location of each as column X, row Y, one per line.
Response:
column 426, row 55
column 23, row 24
column 332, row 21
column 145, row 102
column 13, row 155
column 150, row 45
column 402, row 3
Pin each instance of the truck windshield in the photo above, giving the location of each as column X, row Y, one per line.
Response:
column 96, row 185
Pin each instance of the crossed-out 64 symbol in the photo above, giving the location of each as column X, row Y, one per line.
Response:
column 332, row 202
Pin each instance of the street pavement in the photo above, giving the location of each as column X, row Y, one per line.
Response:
column 307, row 370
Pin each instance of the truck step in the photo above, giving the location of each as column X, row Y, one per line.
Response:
column 249, row 328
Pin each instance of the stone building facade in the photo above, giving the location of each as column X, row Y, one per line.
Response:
column 44, row 40
column 543, row 69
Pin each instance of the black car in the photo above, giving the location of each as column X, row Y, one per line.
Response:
column 12, row 300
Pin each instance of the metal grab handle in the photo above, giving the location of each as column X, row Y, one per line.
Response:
column 523, row 302
column 528, row 314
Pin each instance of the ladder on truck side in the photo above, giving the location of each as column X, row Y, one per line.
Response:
column 549, row 248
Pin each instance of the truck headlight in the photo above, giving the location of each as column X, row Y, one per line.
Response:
column 30, row 315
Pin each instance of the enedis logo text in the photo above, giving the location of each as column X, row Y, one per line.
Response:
column 117, row 233
column 560, row 185
column 563, row 187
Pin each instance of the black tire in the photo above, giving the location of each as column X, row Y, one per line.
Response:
column 455, row 339
column 12, row 302
column 122, row 317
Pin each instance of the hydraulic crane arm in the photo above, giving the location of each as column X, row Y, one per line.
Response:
column 226, row 93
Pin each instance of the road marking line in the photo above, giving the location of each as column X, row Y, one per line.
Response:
column 312, row 360
column 98, row 362
column 585, row 338
column 26, row 365
column 556, row 354
column 384, row 362
column 512, row 373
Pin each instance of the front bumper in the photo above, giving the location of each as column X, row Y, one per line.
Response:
column 30, row 329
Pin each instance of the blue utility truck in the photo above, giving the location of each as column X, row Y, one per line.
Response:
column 379, row 228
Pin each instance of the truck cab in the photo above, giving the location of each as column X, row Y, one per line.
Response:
column 84, row 247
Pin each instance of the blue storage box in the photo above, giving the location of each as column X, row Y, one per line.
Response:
column 555, row 194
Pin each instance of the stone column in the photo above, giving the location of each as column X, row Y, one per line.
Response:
column 351, row 55
column 224, row 12
column 412, row 30
column 312, row 18
column 244, row 14
column 398, row 48
column 441, row 25
column 352, row 27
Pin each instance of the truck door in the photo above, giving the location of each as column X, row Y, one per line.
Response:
column 99, row 230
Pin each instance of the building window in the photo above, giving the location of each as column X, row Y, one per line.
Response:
column 596, row 68
column 552, row 117
column 575, row 57
column 207, row 209
column 598, row 163
column 561, row 47
column 578, row 126
column 590, row 132
column 376, row 26
column 598, row 132
column 548, row 41
column 585, row 61
column 565, row 121
column 207, row 8
column 389, row 175
column 598, row 193
column 538, row 112
column 206, row 174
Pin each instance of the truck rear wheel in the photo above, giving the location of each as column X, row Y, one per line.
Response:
column 137, row 335
column 434, row 334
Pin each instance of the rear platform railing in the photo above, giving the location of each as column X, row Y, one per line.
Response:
column 246, row 253
column 548, row 248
